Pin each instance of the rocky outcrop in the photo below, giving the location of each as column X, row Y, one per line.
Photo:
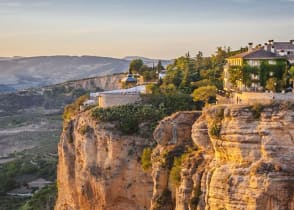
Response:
column 173, row 135
column 231, row 157
column 250, row 165
column 100, row 169
column 243, row 160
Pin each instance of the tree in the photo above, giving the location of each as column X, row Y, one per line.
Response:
column 206, row 94
column 159, row 66
column 236, row 75
column 135, row 65
column 168, row 89
column 186, row 72
column 148, row 73
column 173, row 76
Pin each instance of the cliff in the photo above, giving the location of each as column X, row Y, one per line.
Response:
column 100, row 169
column 107, row 82
column 227, row 157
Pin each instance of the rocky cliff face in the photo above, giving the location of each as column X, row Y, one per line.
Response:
column 107, row 82
column 231, row 157
column 100, row 169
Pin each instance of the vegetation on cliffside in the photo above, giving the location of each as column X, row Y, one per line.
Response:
column 142, row 118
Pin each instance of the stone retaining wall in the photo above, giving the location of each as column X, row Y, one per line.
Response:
column 262, row 98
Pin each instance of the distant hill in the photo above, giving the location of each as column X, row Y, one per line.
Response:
column 25, row 72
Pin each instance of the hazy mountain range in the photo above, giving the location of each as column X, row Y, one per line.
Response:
column 25, row 72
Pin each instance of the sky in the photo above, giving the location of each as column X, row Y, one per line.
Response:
column 150, row 28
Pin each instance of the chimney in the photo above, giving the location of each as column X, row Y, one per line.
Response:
column 273, row 49
column 265, row 46
column 250, row 46
column 271, row 42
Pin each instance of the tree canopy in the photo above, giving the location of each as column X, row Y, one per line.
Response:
column 187, row 73
column 206, row 94
column 135, row 66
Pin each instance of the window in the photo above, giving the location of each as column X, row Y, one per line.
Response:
column 254, row 63
column 272, row 62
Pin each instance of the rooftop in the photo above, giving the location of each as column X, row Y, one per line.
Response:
column 134, row 90
column 129, row 79
column 259, row 53
column 284, row 45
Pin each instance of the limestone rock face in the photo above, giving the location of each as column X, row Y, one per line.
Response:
column 100, row 169
column 250, row 166
column 232, row 157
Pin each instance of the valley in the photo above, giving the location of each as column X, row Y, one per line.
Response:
column 30, row 128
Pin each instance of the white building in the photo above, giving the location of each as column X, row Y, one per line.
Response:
column 116, row 97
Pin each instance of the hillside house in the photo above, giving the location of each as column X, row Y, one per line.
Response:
column 250, row 70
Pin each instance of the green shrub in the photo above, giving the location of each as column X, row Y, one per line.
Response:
column 146, row 159
column 175, row 172
column 206, row 94
column 84, row 129
column 215, row 129
column 153, row 108
column 71, row 109
column 129, row 125
column 256, row 110
column 129, row 117
column 171, row 103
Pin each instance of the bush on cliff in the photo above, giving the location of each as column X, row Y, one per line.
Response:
column 146, row 159
column 71, row 109
column 128, row 118
column 175, row 173
column 215, row 130
column 256, row 110
column 172, row 102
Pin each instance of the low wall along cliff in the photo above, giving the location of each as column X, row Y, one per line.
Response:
column 251, row 98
